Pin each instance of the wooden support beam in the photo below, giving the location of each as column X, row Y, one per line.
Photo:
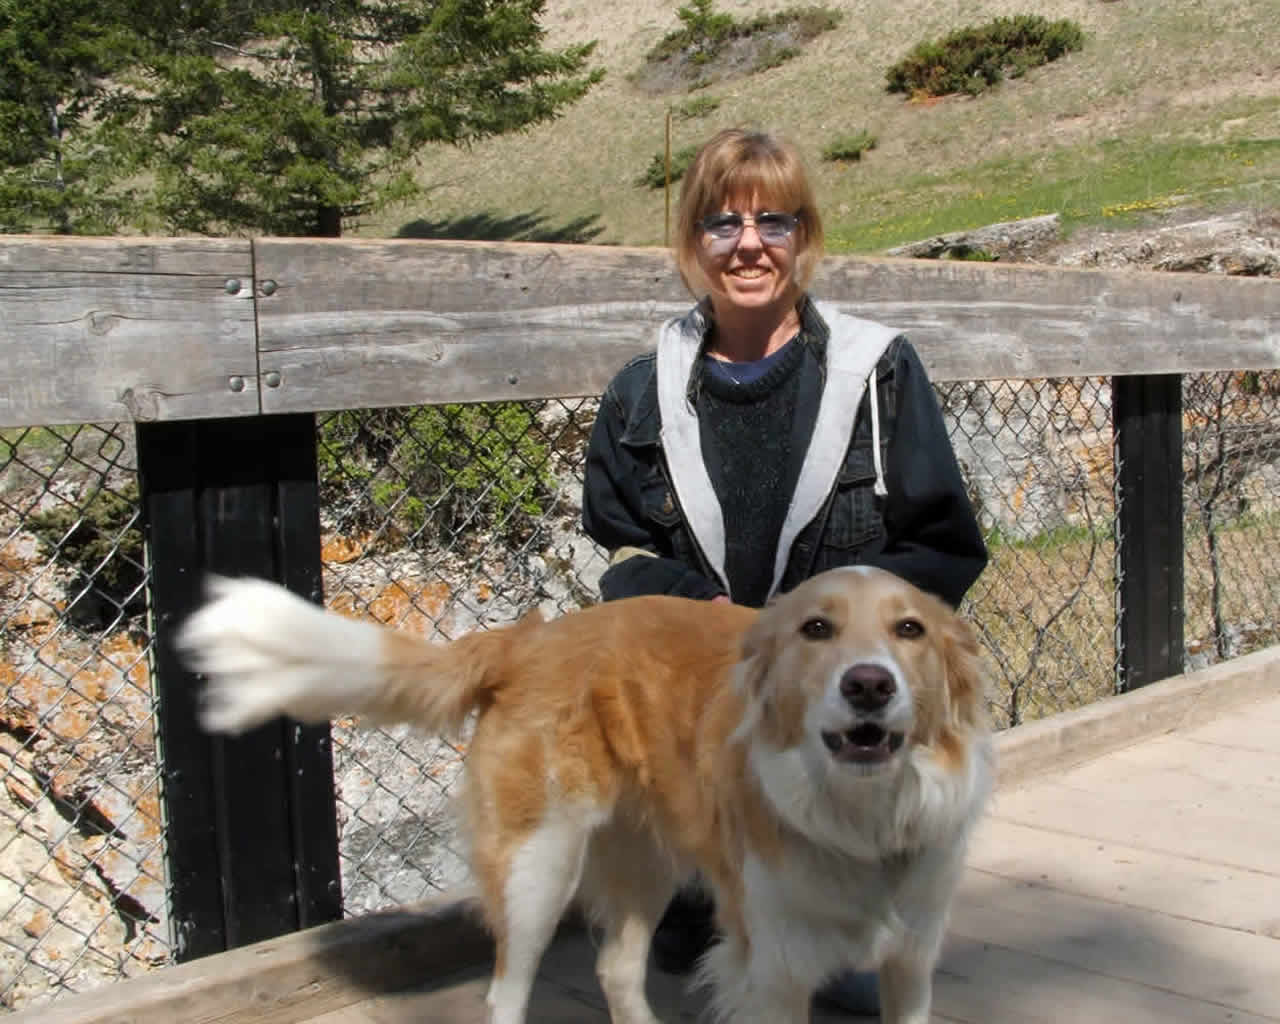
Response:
column 251, row 836
column 1147, row 418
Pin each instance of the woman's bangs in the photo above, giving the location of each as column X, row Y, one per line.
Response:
column 771, row 185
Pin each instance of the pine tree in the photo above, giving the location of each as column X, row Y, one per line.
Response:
column 57, row 168
column 287, row 118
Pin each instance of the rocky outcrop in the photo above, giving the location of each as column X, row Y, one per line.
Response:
column 1009, row 240
column 1240, row 243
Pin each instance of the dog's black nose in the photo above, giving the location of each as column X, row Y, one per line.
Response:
column 868, row 687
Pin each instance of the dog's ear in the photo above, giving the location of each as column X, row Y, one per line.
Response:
column 966, row 693
column 755, row 653
column 775, row 713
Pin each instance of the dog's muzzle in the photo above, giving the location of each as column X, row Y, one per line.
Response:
column 869, row 689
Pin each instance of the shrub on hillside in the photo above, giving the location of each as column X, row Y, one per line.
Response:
column 971, row 60
column 756, row 44
column 848, row 148
column 655, row 175
column 697, row 106
column 702, row 32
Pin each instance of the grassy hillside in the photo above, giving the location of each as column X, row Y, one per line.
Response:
column 1167, row 104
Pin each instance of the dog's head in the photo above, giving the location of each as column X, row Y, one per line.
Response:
column 855, row 668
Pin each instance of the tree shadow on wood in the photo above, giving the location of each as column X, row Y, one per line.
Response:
column 1015, row 952
column 520, row 227
column 1019, row 951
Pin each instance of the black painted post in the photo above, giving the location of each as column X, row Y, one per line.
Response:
column 1147, row 416
column 251, row 834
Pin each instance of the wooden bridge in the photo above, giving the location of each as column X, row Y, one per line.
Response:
column 1128, row 871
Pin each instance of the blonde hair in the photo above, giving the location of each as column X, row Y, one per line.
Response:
column 736, row 163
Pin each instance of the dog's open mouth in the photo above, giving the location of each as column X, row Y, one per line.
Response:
column 863, row 744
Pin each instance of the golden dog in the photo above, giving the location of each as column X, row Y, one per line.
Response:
column 820, row 762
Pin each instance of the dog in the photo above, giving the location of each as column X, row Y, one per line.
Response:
column 820, row 763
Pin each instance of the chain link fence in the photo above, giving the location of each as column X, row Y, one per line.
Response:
column 444, row 519
column 1231, row 468
column 82, row 898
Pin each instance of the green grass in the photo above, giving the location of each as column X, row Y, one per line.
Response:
column 15, row 441
column 1048, row 540
column 1116, row 182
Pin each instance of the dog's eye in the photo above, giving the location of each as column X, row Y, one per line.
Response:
column 909, row 629
column 817, row 628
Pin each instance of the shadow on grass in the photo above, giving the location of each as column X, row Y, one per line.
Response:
column 520, row 227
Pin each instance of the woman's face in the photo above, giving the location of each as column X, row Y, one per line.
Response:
column 747, row 272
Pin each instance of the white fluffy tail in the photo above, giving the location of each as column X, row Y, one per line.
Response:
column 268, row 652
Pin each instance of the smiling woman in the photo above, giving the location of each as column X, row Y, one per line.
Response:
column 768, row 438
column 748, row 237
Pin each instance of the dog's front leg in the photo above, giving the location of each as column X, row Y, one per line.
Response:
column 906, row 990
column 750, row 988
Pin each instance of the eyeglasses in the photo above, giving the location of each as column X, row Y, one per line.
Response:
column 726, row 229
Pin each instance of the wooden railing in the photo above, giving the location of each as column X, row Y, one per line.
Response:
column 159, row 329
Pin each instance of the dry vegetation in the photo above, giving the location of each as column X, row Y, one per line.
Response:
column 1147, row 76
column 1046, row 615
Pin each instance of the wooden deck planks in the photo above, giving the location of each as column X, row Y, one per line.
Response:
column 1140, row 887
column 1244, row 729
column 1170, row 814
column 1146, row 947
column 463, row 1000
column 981, row 982
column 1127, row 876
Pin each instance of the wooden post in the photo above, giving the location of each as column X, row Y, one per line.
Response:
column 251, row 846
column 1147, row 417
column 666, row 184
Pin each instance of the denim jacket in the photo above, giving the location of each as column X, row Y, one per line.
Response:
column 885, row 491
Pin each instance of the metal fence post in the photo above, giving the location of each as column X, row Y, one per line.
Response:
column 1147, row 418
column 252, row 846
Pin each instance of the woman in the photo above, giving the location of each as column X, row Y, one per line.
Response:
column 768, row 438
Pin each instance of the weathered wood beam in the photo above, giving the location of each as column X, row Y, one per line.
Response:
column 402, row 322
column 126, row 329
column 975, row 321
column 149, row 329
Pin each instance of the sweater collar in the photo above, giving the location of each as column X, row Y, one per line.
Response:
column 853, row 348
